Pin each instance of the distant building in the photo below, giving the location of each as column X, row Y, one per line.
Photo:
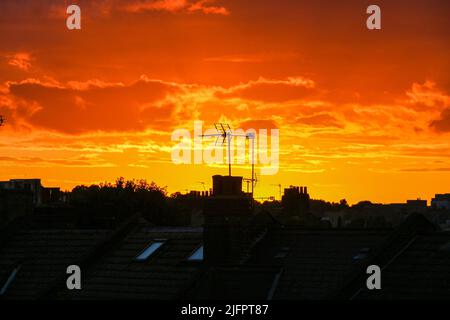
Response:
column 411, row 206
column 370, row 215
column 190, row 205
column 335, row 218
column 41, row 195
column 441, row 201
column 295, row 201
column 238, row 254
column 416, row 206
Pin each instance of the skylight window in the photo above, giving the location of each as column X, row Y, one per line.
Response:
column 10, row 279
column 197, row 255
column 151, row 249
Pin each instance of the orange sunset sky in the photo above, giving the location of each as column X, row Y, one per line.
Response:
column 362, row 115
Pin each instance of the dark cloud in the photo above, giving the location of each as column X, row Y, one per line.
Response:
column 77, row 108
column 443, row 123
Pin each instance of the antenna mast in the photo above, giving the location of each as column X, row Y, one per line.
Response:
column 224, row 131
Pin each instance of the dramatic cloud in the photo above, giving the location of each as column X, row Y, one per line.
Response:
column 205, row 6
column 254, row 58
column 319, row 120
column 258, row 124
column 427, row 96
column 443, row 123
column 39, row 161
column 272, row 90
column 21, row 60
column 104, row 8
column 295, row 103
column 94, row 105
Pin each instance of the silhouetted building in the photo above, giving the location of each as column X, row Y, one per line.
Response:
column 137, row 261
column 41, row 195
column 416, row 206
column 148, row 263
column 50, row 195
column 441, row 201
column 32, row 185
column 190, row 207
column 334, row 218
column 295, row 201
column 231, row 257
column 227, row 214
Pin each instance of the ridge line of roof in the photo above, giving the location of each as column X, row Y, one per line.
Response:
column 92, row 255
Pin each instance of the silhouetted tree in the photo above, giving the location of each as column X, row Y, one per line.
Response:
column 115, row 201
column 319, row 207
column 343, row 203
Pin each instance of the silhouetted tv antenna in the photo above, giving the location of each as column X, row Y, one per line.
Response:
column 248, row 181
column 224, row 131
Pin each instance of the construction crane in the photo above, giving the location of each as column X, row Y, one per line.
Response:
column 224, row 131
column 279, row 188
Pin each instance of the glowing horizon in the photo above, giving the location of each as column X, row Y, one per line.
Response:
column 362, row 115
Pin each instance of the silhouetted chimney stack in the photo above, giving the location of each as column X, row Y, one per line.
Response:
column 227, row 213
column 296, row 201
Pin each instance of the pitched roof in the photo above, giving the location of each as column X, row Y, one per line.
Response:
column 285, row 263
column 420, row 271
column 314, row 263
column 399, row 240
column 43, row 256
column 238, row 282
column 166, row 274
